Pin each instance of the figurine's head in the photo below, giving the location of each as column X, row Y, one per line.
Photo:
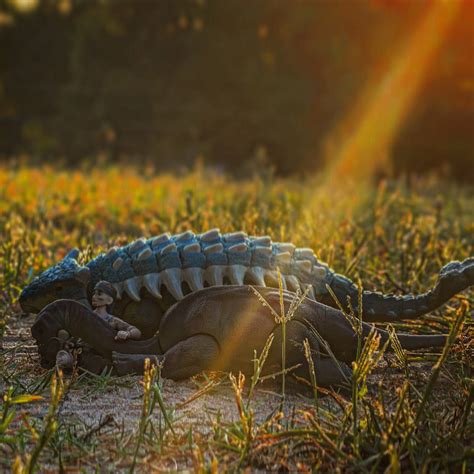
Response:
column 67, row 279
column 104, row 294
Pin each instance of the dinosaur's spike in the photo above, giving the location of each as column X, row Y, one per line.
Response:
column 292, row 283
column 193, row 276
column 214, row 275
column 160, row 239
column 192, row 248
column 185, row 236
column 304, row 253
column 257, row 275
column 283, row 258
column 152, row 282
column 169, row 248
column 235, row 236
column 171, row 278
column 117, row 264
column 236, row 274
column 210, row 235
column 132, row 287
column 74, row 253
column 271, row 278
column 304, row 265
column 119, row 287
column 238, row 247
column 319, row 272
column 112, row 251
column 264, row 241
column 263, row 250
column 287, row 247
column 144, row 254
column 214, row 249
column 137, row 245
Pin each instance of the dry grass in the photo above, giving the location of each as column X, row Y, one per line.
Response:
column 407, row 411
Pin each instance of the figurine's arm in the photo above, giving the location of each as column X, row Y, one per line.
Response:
column 125, row 330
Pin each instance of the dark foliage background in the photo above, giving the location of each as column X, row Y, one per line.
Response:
column 233, row 82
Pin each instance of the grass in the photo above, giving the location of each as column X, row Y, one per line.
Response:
column 407, row 411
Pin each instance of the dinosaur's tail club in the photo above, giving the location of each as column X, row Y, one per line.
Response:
column 376, row 307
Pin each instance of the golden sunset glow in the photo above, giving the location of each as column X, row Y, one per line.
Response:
column 361, row 145
column 24, row 6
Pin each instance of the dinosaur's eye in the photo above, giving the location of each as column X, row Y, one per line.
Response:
column 58, row 288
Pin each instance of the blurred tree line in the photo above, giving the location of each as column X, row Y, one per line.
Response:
column 231, row 82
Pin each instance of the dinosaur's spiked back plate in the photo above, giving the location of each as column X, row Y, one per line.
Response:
column 207, row 259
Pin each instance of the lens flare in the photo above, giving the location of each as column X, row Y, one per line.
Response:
column 362, row 143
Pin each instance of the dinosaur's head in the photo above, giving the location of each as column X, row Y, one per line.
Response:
column 67, row 279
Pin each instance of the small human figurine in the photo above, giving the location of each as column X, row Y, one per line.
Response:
column 103, row 296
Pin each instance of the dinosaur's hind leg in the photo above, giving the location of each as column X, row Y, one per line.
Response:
column 453, row 278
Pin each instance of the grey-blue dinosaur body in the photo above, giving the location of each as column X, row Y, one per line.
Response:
column 151, row 274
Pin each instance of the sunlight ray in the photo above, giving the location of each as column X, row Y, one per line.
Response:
column 365, row 138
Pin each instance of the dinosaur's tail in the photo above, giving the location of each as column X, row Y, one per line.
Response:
column 376, row 307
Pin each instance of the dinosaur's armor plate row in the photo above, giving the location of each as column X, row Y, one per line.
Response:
column 208, row 259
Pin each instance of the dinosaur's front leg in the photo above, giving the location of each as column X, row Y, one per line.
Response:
column 453, row 278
